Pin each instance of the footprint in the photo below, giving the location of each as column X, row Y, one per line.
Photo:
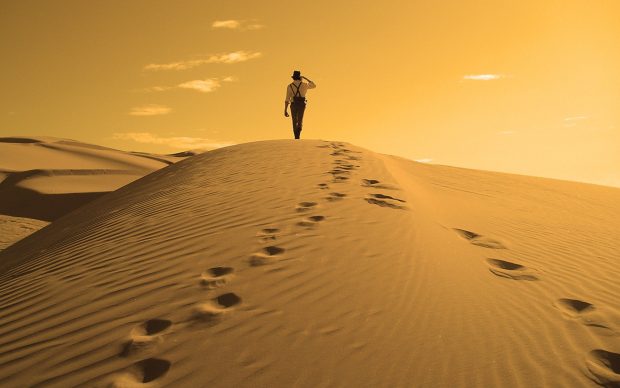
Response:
column 573, row 307
column 604, row 367
column 267, row 234
column 383, row 196
column 305, row 206
column 153, row 326
column 267, row 256
column 216, row 277
column 323, row 186
column 348, row 167
column 479, row 240
column 145, row 337
column 382, row 203
column 338, row 171
column 376, row 184
column 311, row 221
column 340, row 178
column 142, row 372
column 216, row 308
column 152, row 369
column 509, row 270
column 341, row 148
column 273, row 250
column 584, row 312
column 335, row 196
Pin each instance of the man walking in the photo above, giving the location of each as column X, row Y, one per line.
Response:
column 296, row 96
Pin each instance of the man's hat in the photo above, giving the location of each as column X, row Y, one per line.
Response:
column 296, row 74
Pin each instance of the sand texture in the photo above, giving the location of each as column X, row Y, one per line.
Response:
column 318, row 264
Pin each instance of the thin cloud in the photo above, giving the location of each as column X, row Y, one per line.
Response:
column 254, row 26
column 507, row 132
column 573, row 121
column 201, row 85
column 240, row 25
column 150, row 110
column 576, row 118
column 156, row 89
column 177, row 142
column 226, row 58
column 482, row 77
column 230, row 24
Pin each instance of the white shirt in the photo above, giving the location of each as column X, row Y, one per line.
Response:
column 303, row 88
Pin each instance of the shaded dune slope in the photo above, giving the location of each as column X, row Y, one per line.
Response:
column 48, row 194
column 315, row 263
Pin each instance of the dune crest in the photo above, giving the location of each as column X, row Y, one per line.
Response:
column 317, row 263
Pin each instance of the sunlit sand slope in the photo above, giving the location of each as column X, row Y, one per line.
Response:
column 319, row 264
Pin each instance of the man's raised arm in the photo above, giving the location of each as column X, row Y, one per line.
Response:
column 311, row 85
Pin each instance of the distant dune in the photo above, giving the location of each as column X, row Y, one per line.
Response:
column 310, row 264
column 43, row 178
column 13, row 229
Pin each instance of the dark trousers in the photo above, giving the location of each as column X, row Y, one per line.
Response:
column 297, row 114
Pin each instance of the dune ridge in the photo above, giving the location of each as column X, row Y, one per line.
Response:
column 317, row 263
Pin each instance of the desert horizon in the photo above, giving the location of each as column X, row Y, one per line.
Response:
column 530, row 88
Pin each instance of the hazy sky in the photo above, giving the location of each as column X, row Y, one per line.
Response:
column 530, row 87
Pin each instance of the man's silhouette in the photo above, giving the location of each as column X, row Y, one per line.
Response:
column 296, row 96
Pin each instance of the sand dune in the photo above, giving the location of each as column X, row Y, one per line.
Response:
column 318, row 264
column 13, row 229
column 44, row 178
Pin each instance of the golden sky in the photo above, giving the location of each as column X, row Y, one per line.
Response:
column 530, row 87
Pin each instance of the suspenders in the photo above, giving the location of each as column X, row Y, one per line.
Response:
column 297, row 93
